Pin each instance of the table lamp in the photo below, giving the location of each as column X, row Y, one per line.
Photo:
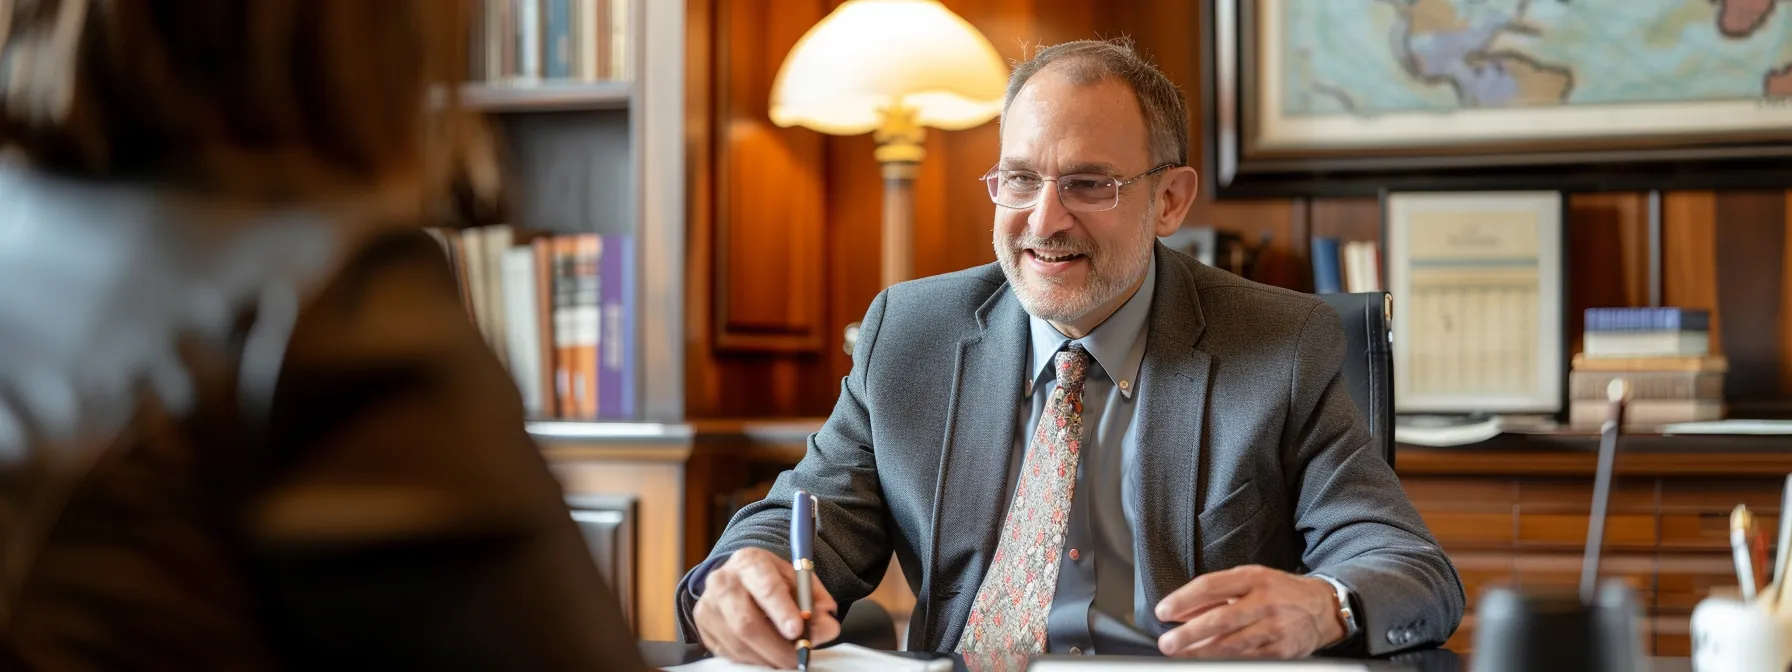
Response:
column 893, row 68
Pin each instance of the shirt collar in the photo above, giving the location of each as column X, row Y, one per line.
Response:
column 1117, row 344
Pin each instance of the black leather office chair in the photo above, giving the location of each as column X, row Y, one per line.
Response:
column 869, row 624
column 1368, row 319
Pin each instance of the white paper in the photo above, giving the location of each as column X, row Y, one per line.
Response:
column 1095, row 664
column 1731, row 426
column 841, row 658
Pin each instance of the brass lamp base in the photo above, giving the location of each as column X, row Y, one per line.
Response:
column 900, row 151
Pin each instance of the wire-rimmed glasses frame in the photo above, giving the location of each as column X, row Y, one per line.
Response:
column 1079, row 192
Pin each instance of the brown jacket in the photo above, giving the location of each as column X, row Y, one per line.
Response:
column 378, row 507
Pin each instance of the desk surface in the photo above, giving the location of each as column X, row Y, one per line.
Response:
column 665, row 654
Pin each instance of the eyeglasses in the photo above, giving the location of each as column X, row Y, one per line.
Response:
column 1020, row 189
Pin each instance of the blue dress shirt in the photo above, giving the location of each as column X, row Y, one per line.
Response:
column 1097, row 578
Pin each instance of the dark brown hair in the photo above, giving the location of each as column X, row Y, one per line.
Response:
column 264, row 99
column 1090, row 61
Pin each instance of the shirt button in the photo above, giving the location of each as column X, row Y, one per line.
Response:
column 1074, row 556
column 1393, row 636
column 1123, row 385
column 1076, row 651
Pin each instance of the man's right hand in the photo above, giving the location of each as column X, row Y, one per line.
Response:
column 748, row 611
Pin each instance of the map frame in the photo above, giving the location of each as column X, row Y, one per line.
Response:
column 1239, row 161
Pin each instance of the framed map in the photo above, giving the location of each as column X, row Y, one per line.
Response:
column 1327, row 97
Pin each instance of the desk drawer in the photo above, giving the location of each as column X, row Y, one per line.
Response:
column 1706, row 531
column 1569, row 530
column 1684, row 580
column 1457, row 529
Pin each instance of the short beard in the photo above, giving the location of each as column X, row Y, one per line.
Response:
column 1111, row 273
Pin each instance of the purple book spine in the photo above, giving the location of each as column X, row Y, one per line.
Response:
column 616, row 356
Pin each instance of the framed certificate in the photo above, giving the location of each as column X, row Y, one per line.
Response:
column 1477, row 282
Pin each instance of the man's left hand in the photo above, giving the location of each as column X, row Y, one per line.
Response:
column 1250, row 612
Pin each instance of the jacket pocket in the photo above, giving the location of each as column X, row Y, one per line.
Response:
column 1229, row 523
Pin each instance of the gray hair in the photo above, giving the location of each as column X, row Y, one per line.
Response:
column 1090, row 61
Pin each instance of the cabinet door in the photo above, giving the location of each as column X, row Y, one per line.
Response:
column 608, row 524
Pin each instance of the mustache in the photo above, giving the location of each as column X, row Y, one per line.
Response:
column 1057, row 244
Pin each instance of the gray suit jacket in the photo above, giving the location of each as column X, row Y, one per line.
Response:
column 1250, row 452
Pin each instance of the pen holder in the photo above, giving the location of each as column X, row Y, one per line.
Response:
column 1731, row 635
column 1548, row 630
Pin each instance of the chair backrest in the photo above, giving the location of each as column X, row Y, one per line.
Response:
column 1369, row 359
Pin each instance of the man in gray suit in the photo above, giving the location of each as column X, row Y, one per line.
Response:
column 1095, row 436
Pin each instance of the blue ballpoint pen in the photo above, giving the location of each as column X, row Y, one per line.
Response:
column 803, row 521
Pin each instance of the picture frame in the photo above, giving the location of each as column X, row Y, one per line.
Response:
column 1200, row 242
column 1262, row 136
column 1480, row 312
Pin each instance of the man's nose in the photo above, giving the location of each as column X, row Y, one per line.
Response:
column 1049, row 215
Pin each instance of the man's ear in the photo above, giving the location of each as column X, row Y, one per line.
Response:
column 1176, row 190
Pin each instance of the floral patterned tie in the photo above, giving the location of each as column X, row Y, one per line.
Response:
column 1010, row 611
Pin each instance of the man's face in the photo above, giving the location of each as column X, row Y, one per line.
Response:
column 1064, row 264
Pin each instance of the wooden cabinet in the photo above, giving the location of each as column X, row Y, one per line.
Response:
column 608, row 523
column 1514, row 512
column 625, row 485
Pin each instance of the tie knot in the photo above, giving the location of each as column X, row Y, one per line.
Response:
column 1071, row 364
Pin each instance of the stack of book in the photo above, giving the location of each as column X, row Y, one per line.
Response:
column 1664, row 354
column 558, row 310
column 1345, row 266
column 532, row 41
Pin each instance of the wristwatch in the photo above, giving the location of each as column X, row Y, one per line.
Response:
column 1346, row 615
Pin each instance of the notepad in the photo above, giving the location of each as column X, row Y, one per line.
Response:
column 841, row 658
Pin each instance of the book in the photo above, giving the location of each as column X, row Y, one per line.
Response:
column 557, row 23
column 1706, row 363
column 1362, row 268
column 1649, row 384
column 495, row 242
column 522, row 337
column 1653, row 343
column 615, row 371
column 1327, row 271
column 1648, row 319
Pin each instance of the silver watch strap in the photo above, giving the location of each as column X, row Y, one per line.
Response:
column 1346, row 613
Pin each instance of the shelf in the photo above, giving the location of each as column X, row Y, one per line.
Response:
column 548, row 97
column 568, row 431
column 1570, row 453
column 565, row 441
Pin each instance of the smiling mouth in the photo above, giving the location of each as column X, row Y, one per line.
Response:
column 1053, row 258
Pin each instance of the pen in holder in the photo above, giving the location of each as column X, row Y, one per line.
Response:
column 1730, row 634
column 1753, row 631
column 1594, row 630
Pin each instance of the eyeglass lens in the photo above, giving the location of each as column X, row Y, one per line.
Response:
column 1077, row 192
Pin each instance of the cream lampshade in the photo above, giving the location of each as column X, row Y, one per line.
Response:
column 891, row 67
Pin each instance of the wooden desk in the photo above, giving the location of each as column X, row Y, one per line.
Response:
column 1513, row 511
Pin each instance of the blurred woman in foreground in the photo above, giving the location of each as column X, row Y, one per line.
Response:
column 244, row 421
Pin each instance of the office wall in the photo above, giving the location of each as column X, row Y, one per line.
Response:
column 785, row 222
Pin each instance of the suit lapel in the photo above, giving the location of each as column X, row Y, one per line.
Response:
column 971, row 502
column 1167, row 470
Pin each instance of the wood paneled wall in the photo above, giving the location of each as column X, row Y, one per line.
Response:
column 784, row 223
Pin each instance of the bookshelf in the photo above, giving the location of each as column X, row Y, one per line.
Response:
column 597, row 147
column 586, row 97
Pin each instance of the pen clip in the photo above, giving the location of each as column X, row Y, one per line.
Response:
column 814, row 513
